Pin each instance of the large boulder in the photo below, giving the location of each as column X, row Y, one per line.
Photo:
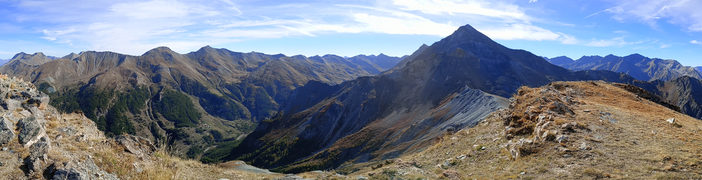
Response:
column 7, row 132
column 11, row 104
column 85, row 170
column 136, row 145
column 31, row 131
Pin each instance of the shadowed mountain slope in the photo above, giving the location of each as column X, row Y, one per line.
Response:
column 382, row 61
column 684, row 92
column 560, row 60
column 445, row 86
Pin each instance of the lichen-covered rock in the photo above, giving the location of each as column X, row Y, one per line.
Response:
column 85, row 170
column 7, row 132
column 31, row 131
column 11, row 104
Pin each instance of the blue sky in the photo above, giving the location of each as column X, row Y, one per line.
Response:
column 668, row 29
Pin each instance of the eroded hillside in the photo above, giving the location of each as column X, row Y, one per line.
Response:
column 565, row 130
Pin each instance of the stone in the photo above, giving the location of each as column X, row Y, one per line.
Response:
column 31, row 131
column 361, row 178
column 561, row 138
column 35, row 110
column 671, row 120
column 85, row 170
column 40, row 100
column 25, row 113
column 11, row 105
column 39, row 149
column 584, row 146
column 451, row 174
column 136, row 145
column 7, row 132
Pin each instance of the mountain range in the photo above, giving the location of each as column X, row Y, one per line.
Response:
column 453, row 83
column 296, row 114
column 640, row 67
column 199, row 99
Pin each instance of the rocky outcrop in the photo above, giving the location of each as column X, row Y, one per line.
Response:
column 31, row 131
column 50, row 145
column 6, row 131
column 136, row 145
column 81, row 170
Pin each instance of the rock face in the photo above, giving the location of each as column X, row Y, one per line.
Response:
column 31, row 131
column 638, row 66
column 438, row 89
column 6, row 131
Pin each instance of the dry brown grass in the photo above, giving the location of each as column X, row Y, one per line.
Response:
column 640, row 145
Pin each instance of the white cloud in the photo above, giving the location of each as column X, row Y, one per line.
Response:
column 521, row 31
column 663, row 46
column 618, row 42
column 695, row 42
column 399, row 25
column 532, row 1
column 152, row 9
column 567, row 39
column 477, row 7
column 680, row 12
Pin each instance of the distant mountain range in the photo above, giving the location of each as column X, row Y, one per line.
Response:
column 452, row 84
column 200, row 99
column 640, row 67
column 383, row 61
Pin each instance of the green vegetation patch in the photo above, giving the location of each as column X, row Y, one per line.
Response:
column 91, row 101
column 177, row 107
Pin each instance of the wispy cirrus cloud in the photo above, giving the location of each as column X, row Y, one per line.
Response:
column 684, row 13
column 615, row 42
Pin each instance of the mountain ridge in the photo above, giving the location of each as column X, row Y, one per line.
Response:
column 411, row 97
column 225, row 92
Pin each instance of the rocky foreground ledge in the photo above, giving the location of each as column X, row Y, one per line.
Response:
column 40, row 143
